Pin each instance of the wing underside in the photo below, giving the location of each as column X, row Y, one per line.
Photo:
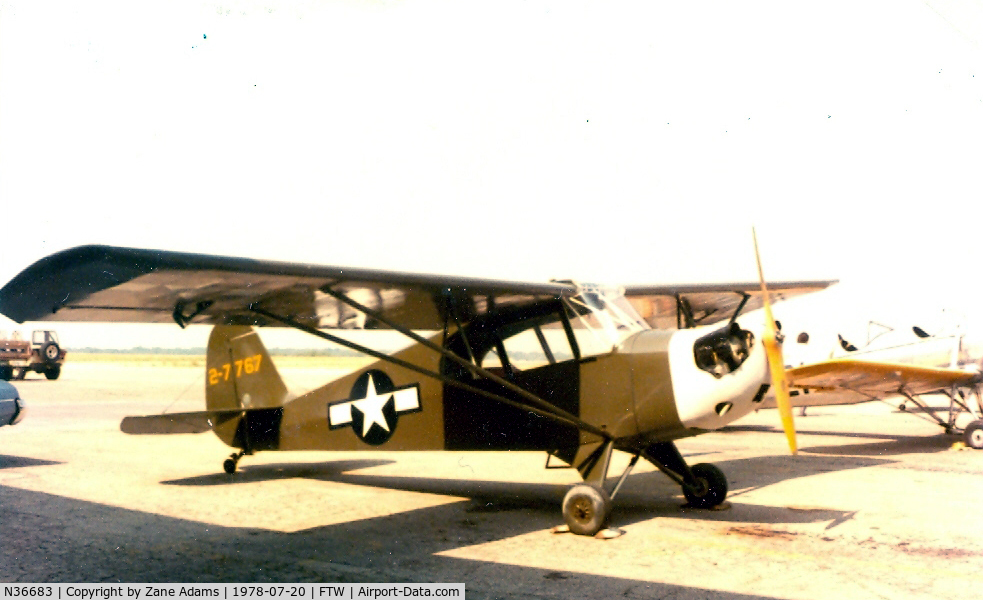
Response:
column 104, row 284
column 877, row 380
column 101, row 283
column 688, row 305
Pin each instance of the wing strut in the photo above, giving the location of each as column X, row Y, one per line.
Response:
column 550, row 413
column 457, row 321
column 475, row 369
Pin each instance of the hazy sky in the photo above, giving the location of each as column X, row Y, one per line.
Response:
column 633, row 141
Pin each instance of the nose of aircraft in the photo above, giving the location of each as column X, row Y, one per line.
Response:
column 709, row 376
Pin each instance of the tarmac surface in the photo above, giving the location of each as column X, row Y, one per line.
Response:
column 876, row 505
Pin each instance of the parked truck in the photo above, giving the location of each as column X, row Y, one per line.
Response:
column 40, row 354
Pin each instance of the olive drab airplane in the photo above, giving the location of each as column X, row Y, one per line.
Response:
column 567, row 368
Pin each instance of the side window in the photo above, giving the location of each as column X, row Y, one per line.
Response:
column 491, row 360
column 525, row 351
column 538, row 346
column 590, row 343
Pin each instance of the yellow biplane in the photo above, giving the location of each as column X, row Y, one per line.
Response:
column 903, row 370
column 571, row 369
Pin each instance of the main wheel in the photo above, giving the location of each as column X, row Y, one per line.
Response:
column 229, row 465
column 973, row 435
column 586, row 509
column 53, row 372
column 712, row 487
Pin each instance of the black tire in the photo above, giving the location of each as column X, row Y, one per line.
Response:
column 973, row 435
column 713, row 487
column 229, row 465
column 586, row 509
column 50, row 352
column 6, row 373
column 52, row 372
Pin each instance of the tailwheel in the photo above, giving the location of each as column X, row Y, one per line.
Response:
column 973, row 435
column 711, row 486
column 232, row 462
column 586, row 509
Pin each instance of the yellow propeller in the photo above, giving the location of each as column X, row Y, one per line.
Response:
column 776, row 362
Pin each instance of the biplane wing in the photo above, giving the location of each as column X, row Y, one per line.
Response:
column 852, row 381
column 877, row 380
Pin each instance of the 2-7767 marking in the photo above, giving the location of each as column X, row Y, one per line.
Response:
column 273, row 591
column 250, row 365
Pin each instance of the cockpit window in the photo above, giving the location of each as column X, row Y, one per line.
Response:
column 523, row 337
column 603, row 318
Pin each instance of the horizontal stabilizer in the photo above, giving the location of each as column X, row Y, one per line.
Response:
column 189, row 422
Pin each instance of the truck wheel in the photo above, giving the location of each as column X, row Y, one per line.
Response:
column 50, row 352
column 6, row 373
column 53, row 372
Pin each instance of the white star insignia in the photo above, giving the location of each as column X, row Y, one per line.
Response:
column 371, row 407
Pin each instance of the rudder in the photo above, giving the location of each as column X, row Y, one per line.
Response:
column 239, row 374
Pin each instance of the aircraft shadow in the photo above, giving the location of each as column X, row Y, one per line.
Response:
column 914, row 444
column 8, row 461
column 50, row 538
column 882, row 444
column 328, row 470
column 644, row 496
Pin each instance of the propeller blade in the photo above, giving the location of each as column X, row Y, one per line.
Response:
column 776, row 362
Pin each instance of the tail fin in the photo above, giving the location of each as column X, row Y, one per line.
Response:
column 239, row 372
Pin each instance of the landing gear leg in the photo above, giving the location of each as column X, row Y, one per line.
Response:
column 587, row 506
column 232, row 462
column 704, row 485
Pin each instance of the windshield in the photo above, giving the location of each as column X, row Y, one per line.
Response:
column 602, row 317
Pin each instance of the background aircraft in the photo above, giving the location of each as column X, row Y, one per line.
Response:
column 570, row 369
column 903, row 366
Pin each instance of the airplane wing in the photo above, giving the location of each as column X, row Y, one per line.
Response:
column 849, row 381
column 688, row 305
column 104, row 283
